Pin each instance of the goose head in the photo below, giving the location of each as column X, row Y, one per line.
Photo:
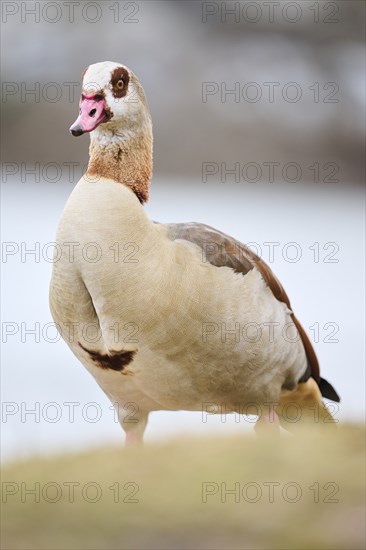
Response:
column 113, row 108
column 112, row 101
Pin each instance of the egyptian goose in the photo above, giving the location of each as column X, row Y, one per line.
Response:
column 167, row 316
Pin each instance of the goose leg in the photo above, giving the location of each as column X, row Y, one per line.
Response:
column 134, row 439
column 134, row 430
column 268, row 423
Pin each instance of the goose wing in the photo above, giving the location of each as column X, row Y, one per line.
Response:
column 223, row 250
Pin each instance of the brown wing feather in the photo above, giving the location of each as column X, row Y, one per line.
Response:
column 224, row 251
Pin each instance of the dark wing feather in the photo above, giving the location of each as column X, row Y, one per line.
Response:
column 217, row 248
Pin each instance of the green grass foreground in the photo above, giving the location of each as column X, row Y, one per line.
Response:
column 299, row 492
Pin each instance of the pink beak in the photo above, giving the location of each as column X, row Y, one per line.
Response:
column 93, row 111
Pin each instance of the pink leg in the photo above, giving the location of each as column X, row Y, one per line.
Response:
column 268, row 422
column 134, row 432
column 133, row 439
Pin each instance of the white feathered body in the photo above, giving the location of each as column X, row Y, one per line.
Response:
column 160, row 298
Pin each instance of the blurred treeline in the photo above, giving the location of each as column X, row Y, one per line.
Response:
column 174, row 51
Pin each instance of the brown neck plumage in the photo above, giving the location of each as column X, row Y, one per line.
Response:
column 126, row 161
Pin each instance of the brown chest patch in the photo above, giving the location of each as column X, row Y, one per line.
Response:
column 115, row 360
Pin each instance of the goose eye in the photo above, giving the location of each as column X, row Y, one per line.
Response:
column 120, row 84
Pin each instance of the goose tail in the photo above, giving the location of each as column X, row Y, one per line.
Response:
column 304, row 406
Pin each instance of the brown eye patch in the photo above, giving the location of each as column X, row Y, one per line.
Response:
column 119, row 81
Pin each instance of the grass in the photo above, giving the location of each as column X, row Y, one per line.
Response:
column 302, row 492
